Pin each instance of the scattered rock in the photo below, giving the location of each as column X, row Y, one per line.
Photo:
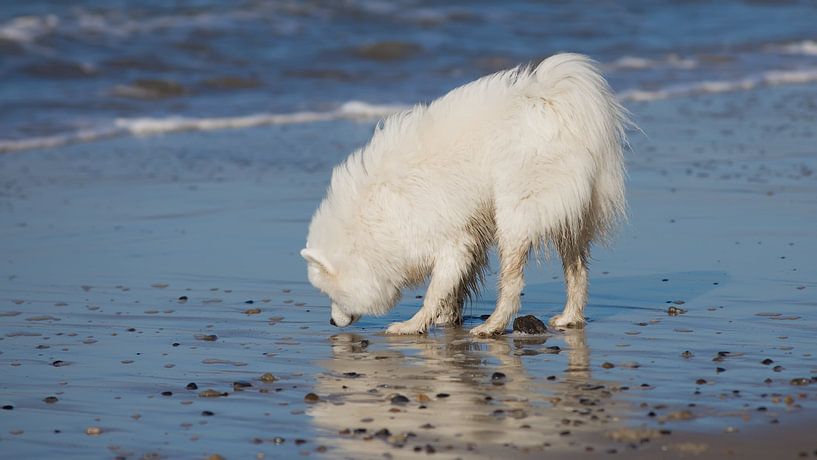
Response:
column 50, row 399
column 240, row 385
column 398, row 399
column 59, row 363
column 498, row 378
column 800, row 381
column 529, row 324
column 633, row 435
column 252, row 311
column 607, row 365
column 212, row 394
column 766, row 361
column 192, row 386
column 311, row 398
column 206, row 337
column 681, row 415
column 675, row 311
column 267, row 377
column 93, row 431
column 215, row 457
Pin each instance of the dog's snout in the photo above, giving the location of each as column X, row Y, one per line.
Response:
column 332, row 322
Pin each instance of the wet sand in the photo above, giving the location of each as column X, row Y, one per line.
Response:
column 132, row 268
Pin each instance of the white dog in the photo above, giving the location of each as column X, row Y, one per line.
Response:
column 524, row 159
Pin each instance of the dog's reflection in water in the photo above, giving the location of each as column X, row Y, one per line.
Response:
column 457, row 396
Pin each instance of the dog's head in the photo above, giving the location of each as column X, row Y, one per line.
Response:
column 354, row 288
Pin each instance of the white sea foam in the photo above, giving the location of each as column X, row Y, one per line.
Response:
column 806, row 47
column 25, row 29
column 352, row 110
column 672, row 61
column 769, row 78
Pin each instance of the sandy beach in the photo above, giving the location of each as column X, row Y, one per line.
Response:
column 153, row 305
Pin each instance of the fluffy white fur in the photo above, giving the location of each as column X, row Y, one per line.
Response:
column 524, row 159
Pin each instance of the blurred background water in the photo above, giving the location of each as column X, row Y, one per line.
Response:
column 75, row 71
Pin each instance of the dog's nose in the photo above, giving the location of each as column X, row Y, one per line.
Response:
column 332, row 322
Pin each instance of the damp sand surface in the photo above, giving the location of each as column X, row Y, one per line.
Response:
column 153, row 305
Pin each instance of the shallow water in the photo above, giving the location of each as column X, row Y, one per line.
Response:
column 82, row 70
column 101, row 241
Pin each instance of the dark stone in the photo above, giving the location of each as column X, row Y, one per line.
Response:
column 529, row 324
column 192, row 386
column 399, row 400
column 240, row 385
column 498, row 378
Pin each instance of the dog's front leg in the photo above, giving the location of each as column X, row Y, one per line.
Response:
column 450, row 266
column 512, row 259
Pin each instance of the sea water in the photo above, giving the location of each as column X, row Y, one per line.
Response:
column 82, row 70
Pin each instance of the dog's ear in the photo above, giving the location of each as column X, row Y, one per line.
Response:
column 314, row 257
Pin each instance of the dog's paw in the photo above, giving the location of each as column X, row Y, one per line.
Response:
column 567, row 322
column 405, row 328
column 487, row 329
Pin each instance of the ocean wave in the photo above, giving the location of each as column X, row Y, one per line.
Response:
column 806, row 47
column 358, row 110
column 352, row 110
column 26, row 29
column 769, row 78
column 671, row 61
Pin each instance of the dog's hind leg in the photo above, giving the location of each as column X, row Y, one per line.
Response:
column 451, row 267
column 513, row 255
column 575, row 255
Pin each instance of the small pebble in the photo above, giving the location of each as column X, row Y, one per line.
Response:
column 608, row 365
column 192, row 386
column 529, row 324
column 498, row 378
column 93, row 431
column 311, row 398
column 240, row 385
column 50, row 399
column 399, row 400
column 211, row 394
column 267, row 377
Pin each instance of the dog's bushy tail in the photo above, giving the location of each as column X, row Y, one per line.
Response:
column 576, row 90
